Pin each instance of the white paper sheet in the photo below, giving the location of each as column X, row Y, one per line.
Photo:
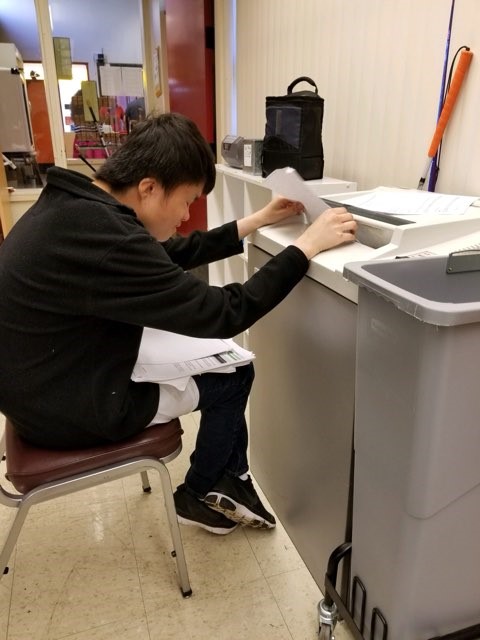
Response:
column 162, row 347
column 287, row 182
column 171, row 358
column 412, row 202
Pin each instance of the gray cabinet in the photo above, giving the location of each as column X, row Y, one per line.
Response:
column 301, row 414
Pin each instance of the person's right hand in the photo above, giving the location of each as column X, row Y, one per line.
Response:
column 331, row 228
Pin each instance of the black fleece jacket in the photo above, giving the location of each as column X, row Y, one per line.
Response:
column 80, row 277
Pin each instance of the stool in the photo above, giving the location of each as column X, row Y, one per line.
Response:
column 40, row 474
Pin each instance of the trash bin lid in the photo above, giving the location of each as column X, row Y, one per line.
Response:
column 422, row 288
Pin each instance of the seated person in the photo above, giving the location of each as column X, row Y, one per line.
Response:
column 93, row 262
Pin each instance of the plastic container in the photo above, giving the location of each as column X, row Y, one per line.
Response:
column 416, row 507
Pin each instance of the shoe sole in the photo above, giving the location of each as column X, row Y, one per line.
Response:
column 219, row 531
column 236, row 512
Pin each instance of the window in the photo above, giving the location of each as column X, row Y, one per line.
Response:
column 67, row 88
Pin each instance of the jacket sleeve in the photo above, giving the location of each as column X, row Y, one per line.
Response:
column 138, row 283
column 203, row 247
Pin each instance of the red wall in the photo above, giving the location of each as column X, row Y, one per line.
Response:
column 191, row 76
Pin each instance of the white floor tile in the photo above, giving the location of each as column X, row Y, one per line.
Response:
column 297, row 596
column 241, row 612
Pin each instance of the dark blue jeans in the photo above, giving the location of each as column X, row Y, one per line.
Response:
column 222, row 439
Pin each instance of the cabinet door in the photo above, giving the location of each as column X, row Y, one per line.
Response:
column 301, row 414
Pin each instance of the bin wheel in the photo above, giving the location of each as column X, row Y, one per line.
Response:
column 327, row 619
column 325, row 632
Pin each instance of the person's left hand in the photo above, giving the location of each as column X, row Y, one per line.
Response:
column 276, row 210
column 280, row 208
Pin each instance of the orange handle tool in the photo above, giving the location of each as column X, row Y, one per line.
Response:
column 460, row 72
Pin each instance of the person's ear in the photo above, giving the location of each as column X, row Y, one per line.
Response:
column 147, row 186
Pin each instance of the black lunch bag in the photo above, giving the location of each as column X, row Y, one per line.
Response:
column 293, row 132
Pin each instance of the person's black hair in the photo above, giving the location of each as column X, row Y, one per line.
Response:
column 167, row 147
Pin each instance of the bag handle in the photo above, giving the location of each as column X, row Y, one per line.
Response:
column 301, row 79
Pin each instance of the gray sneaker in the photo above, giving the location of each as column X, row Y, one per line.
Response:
column 238, row 500
column 192, row 511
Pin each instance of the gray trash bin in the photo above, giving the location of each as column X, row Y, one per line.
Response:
column 416, row 508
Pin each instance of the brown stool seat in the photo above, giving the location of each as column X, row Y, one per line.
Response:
column 41, row 474
column 29, row 466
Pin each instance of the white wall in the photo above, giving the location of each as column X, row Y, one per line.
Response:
column 18, row 25
column 113, row 26
column 378, row 65
column 110, row 26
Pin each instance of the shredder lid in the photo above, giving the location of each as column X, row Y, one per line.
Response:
column 422, row 288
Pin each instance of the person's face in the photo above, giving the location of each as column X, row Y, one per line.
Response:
column 162, row 213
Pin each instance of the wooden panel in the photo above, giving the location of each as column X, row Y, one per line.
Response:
column 6, row 220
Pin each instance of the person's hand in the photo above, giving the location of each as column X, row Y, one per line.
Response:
column 332, row 228
column 280, row 208
column 275, row 211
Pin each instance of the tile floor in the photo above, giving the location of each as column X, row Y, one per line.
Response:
column 96, row 566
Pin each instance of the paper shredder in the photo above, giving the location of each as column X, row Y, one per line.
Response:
column 416, row 506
